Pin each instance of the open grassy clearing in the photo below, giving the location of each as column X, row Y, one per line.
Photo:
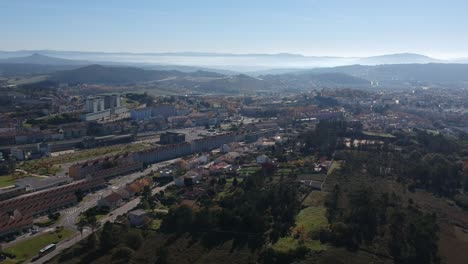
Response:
column 308, row 221
column 7, row 180
column 312, row 219
column 155, row 224
column 376, row 134
column 27, row 80
column 27, row 249
column 315, row 198
column 10, row 179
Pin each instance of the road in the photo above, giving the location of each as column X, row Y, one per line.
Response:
column 70, row 215
column 87, row 231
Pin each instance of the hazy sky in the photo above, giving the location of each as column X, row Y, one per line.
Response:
column 311, row 27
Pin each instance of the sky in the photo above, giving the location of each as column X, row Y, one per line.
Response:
column 438, row 28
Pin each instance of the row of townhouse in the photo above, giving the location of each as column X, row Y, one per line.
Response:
column 134, row 161
column 183, row 149
column 123, row 164
column 105, row 167
column 163, row 153
column 123, row 194
column 14, row 222
column 17, row 213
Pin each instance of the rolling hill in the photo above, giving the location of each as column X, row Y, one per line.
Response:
column 308, row 80
column 97, row 74
column 433, row 72
column 24, row 69
column 402, row 58
column 203, row 81
column 37, row 58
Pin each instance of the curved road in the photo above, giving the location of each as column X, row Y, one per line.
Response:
column 71, row 214
column 87, row 231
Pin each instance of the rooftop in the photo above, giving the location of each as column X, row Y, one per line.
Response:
column 138, row 212
column 41, row 183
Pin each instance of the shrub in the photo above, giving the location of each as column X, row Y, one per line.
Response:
column 123, row 253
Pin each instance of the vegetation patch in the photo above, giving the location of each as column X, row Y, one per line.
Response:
column 27, row 249
column 249, row 171
column 309, row 222
column 51, row 165
column 335, row 165
column 377, row 134
column 7, row 180
column 155, row 224
column 315, row 198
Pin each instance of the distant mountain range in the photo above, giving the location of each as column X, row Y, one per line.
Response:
column 209, row 61
column 403, row 58
column 30, row 65
column 432, row 72
column 201, row 79
column 37, row 58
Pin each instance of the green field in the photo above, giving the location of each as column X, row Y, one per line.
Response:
column 26, row 80
column 155, row 224
column 249, row 171
column 308, row 221
column 7, row 180
column 312, row 218
column 376, row 134
column 315, row 198
column 27, row 249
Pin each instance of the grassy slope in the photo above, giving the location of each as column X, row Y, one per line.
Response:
column 27, row 80
column 309, row 220
column 7, row 180
column 29, row 248
column 10, row 179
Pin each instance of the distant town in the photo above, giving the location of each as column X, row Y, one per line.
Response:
column 79, row 161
